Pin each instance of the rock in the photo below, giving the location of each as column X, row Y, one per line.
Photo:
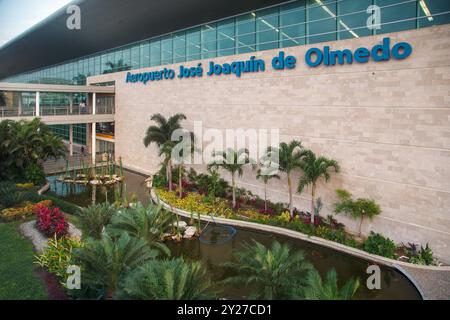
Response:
column 190, row 232
column 181, row 225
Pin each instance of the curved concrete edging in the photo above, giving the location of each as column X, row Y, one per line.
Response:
column 298, row 235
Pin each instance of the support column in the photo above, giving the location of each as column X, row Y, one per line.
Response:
column 19, row 104
column 71, row 140
column 94, row 103
column 94, row 142
column 38, row 107
column 71, row 102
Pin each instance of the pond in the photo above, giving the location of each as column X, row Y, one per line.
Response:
column 86, row 195
column 394, row 285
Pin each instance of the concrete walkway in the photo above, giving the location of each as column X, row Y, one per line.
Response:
column 434, row 284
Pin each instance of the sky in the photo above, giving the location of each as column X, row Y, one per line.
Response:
column 16, row 16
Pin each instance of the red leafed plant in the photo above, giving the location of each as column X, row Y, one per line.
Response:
column 51, row 222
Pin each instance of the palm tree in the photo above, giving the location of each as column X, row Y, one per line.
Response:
column 161, row 135
column 233, row 162
column 313, row 169
column 265, row 178
column 357, row 209
column 104, row 262
column 317, row 289
column 116, row 67
column 288, row 156
column 95, row 218
column 184, row 152
column 172, row 279
column 148, row 224
column 273, row 271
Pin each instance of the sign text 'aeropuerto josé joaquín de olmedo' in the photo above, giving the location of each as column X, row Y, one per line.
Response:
column 314, row 57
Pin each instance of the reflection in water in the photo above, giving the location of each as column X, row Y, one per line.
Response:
column 393, row 284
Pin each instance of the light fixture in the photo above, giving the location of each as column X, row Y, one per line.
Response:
column 324, row 7
column 425, row 9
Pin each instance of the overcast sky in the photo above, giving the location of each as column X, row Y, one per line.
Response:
column 16, row 16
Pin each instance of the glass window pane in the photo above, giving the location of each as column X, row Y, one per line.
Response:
column 135, row 64
column 225, row 37
column 393, row 11
column 155, row 52
column 429, row 12
column 321, row 21
column 126, row 59
column 209, row 41
column 193, row 44
column 267, row 32
column 179, row 47
column 166, row 50
column 246, row 33
column 352, row 19
column 292, row 24
column 144, row 52
column 97, row 65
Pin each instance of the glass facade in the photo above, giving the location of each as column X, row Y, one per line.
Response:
column 290, row 24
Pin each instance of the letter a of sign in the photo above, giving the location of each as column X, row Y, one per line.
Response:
column 74, row 278
column 374, row 21
column 374, row 280
column 74, row 20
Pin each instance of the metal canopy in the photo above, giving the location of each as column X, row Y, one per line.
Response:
column 28, row 87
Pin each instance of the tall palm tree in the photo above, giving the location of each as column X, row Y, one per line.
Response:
column 273, row 271
column 183, row 153
column 314, row 168
column 105, row 262
column 161, row 135
column 288, row 156
column 147, row 223
column 265, row 178
column 317, row 289
column 173, row 279
column 233, row 162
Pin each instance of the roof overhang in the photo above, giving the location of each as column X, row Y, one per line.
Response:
column 28, row 87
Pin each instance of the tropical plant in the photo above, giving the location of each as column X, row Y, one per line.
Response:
column 35, row 174
column 95, row 218
column 116, row 66
column 261, row 175
column 183, row 154
column 58, row 256
column 357, row 209
column 328, row 289
column 51, row 221
column 314, row 168
column 272, row 271
column 233, row 162
column 173, row 279
column 287, row 156
column 148, row 223
column 105, row 262
column 424, row 256
column 377, row 244
column 161, row 135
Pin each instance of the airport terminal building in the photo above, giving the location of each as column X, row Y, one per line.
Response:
column 376, row 99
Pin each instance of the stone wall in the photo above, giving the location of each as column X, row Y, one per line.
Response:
column 387, row 123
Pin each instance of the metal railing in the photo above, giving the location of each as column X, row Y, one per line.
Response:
column 108, row 109
column 6, row 112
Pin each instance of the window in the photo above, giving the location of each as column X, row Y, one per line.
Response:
column 246, row 33
column 322, row 20
column 166, row 50
column 225, row 37
column 267, row 32
column 179, row 47
column 193, row 44
column 393, row 11
column 135, row 63
column 144, row 55
column 155, row 52
column 292, row 24
column 353, row 18
column 428, row 10
column 209, row 41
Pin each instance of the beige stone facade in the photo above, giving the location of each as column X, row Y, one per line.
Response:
column 387, row 123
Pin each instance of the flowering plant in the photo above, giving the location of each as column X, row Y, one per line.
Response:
column 51, row 222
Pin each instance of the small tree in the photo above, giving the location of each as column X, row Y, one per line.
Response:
column 265, row 178
column 357, row 209
column 288, row 156
column 233, row 162
column 314, row 168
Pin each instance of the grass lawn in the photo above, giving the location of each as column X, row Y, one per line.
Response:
column 17, row 277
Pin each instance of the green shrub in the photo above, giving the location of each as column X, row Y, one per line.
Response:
column 94, row 219
column 423, row 257
column 65, row 206
column 57, row 257
column 377, row 244
column 35, row 174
